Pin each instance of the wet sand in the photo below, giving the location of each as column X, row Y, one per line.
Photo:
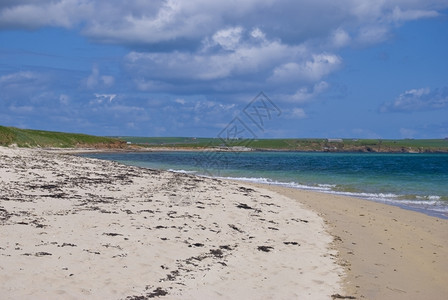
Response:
column 388, row 252
column 78, row 228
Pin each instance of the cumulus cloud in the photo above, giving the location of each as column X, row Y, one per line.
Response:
column 240, row 58
column 418, row 100
column 35, row 14
column 151, row 22
column 228, row 39
column 217, row 47
column 95, row 80
column 236, row 52
column 311, row 69
column 340, row 38
column 256, row 33
column 305, row 94
column 375, row 20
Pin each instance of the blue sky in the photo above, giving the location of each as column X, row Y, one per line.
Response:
column 351, row 68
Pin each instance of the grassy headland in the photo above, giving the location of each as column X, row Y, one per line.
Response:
column 40, row 138
column 328, row 145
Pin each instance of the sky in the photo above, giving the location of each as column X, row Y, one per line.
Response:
column 327, row 69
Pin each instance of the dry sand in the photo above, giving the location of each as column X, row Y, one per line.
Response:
column 76, row 228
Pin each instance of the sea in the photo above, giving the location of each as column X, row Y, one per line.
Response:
column 417, row 182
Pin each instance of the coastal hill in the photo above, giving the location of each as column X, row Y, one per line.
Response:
column 303, row 144
column 45, row 139
column 40, row 138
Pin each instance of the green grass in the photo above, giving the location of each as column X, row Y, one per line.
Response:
column 6, row 136
column 41, row 138
column 172, row 141
column 373, row 145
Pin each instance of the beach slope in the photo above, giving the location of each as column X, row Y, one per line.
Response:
column 78, row 228
column 388, row 252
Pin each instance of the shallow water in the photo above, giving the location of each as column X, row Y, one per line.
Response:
column 413, row 181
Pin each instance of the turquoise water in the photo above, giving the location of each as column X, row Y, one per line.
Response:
column 413, row 181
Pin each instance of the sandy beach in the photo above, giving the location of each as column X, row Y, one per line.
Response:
column 77, row 228
column 387, row 252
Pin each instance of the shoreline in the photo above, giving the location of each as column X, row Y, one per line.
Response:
column 386, row 252
column 284, row 185
column 229, row 149
column 359, row 195
column 372, row 286
column 75, row 227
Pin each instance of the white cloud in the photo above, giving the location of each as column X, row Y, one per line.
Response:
column 95, row 80
column 203, row 46
column 313, row 69
column 36, row 14
column 258, row 34
column 373, row 34
column 107, row 97
column 340, row 38
column 229, row 38
column 245, row 58
column 23, row 109
column 148, row 22
column 92, row 80
column 399, row 15
column 22, row 85
column 180, row 101
column 107, row 80
column 227, row 107
column 298, row 113
column 305, row 94
column 18, row 77
column 418, row 100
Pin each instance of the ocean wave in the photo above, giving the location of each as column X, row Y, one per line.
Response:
column 182, row 171
column 430, row 197
column 428, row 202
column 280, row 183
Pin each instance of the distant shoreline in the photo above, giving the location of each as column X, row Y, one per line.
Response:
column 198, row 149
column 26, row 138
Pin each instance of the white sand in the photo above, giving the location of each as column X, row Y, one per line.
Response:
column 75, row 228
